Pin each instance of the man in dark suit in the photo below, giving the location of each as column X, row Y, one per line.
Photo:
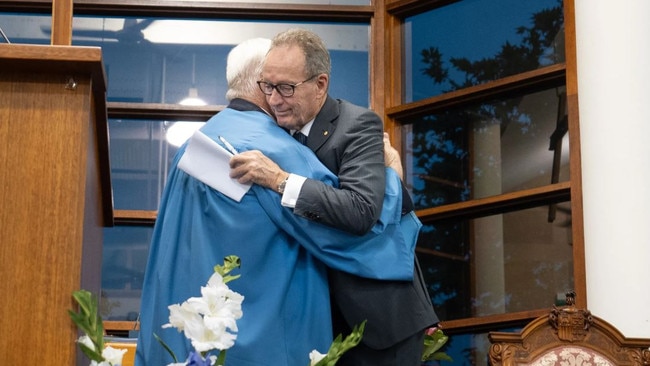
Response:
column 348, row 139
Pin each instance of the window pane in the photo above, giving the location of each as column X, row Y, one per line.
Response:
column 158, row 60
column 141, row 152
column 498, row 264
column 474, row 41
column 489, row 149
column 26, row 28
column 124, row 259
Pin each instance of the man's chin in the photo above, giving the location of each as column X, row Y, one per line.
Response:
column 284, row 122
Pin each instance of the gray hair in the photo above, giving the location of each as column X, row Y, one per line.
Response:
column 317, row 57
column 244, row 67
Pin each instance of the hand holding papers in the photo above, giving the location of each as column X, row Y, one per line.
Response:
column 208, row 162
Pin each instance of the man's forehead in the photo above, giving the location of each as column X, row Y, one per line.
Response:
column 284, row 60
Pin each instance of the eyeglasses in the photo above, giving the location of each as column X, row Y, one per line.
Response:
column 285, row 90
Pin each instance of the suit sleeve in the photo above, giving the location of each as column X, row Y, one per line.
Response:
column 385, row 253
column 355, row 154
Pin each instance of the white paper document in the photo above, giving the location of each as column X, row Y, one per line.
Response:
column 208, row 162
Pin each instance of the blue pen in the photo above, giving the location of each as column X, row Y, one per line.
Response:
column 228, row 146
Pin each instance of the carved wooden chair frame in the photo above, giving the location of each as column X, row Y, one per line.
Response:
column 573, row 335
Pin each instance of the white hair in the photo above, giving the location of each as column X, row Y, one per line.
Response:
column 244, row 67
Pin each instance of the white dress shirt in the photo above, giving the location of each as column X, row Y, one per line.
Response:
column 295, row 182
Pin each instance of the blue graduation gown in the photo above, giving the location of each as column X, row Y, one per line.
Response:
column 286, row 310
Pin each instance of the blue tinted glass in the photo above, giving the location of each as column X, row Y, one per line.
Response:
column 498, row 264
column 156, row 60
column 488, row 149
column 124, row 259
column 467, row 348
column 471, row 42
column 140, row 154
column 26, row 28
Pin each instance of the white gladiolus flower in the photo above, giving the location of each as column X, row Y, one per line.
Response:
column 206, row 320
column 113, row 355
column 183, row 316
column 315, row 357
column 85, row 340
column 103, row 363
column 209, row 321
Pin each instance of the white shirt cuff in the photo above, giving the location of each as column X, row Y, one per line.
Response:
column 292, row 190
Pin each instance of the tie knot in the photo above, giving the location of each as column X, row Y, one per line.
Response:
column 300, row 137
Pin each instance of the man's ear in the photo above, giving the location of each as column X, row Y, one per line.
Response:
column 323, row 82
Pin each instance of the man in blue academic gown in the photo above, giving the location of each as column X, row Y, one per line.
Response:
column 286, row 310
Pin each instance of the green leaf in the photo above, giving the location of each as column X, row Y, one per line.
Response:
column 88, row 320
column 338, row 347
column 221, row 359
column 229, row 278
column 441, row 356
column 229, row 263
column 432, row 343
column 166, row 347
column 90, row 353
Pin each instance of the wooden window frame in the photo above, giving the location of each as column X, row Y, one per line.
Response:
column 551, row 76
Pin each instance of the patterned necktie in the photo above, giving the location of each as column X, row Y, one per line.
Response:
column 300, row 137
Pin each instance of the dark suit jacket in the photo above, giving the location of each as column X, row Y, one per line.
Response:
column 348, row 139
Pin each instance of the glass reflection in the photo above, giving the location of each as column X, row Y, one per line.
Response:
column 140, row 153
column 162, row 60
column 471, row 42
column 488, row 149
column 498, row 264
column 125, row 253
column 26, row 28
column 469, row 348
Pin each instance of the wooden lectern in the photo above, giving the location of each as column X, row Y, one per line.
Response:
column 55, row 196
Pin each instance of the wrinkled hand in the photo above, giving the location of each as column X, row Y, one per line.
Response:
column 392, row 158
column 254, row 167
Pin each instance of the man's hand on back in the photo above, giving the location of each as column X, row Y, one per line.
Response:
column 391, row 157
column 254, row 167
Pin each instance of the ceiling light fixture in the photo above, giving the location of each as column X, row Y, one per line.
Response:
column 180, row 131
column 193, row 94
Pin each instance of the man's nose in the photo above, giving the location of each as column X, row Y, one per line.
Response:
column 275, row 98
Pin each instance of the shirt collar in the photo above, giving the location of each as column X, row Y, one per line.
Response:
column 305, row 129
column 240, row 104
